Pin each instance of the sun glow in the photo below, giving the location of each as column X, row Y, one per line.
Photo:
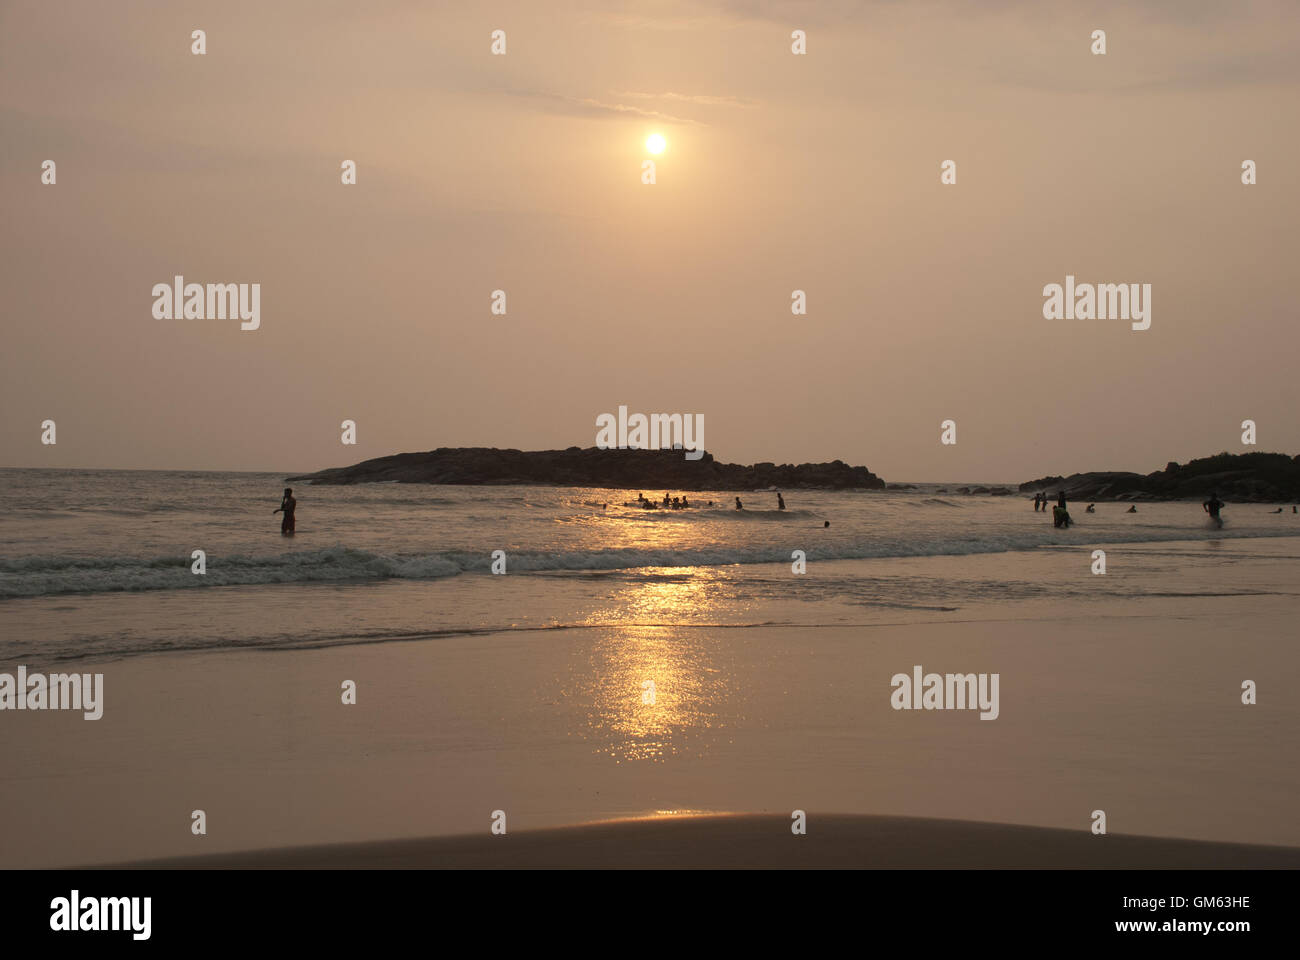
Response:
column 635, row 646
column 655, row 143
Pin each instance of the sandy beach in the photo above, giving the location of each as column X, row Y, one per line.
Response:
column 1130, row 707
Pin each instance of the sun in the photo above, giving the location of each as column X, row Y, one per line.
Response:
column 655, row 143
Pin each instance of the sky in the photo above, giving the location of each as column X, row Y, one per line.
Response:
column 523, row 172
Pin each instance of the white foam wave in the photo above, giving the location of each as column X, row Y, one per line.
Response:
column 42, row 575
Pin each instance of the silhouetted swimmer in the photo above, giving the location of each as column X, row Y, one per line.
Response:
column 739, row 505
column 666, row 500
column 1212, row 507
column 780, row 501
column 1092, row 508
column 1132, row 509
column 287, row 505
column 1294, row 510
column 684, row 503
column 826, row 524
column 1278, row 510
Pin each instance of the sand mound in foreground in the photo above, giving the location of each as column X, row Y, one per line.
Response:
column 764, row 841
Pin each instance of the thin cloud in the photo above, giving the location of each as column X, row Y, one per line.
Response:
column 588, row 106
column 699, row 98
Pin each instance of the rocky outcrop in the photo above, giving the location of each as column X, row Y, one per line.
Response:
column 592, row 467
column 1251, row 477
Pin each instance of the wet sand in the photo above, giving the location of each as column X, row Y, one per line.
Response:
column 1133, row 708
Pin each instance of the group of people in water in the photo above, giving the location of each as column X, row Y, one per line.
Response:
column 680, row 503
column 1061, row 516
column 676, row 503
column 288, row 505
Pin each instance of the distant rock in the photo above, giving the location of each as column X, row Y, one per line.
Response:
column 1249, row 477
column 592, row 467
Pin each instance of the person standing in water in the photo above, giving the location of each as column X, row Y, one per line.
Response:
column 780, row 501
column 287, row 505
column 1060, row 516
column 739, row 506
column 1212, row 507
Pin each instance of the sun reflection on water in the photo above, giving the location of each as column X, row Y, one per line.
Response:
column 642, row 642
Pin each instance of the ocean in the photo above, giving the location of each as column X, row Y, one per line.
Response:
column 98, row 563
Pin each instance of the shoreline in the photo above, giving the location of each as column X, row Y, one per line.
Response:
column 1137, row 714
column 527, row 589
column 1121, row 693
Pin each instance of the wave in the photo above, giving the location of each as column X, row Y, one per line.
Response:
column 60, row 652
column 48, row 575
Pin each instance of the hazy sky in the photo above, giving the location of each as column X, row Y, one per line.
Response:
column 523, row 172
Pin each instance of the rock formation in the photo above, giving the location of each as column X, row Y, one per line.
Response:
column 592, row 467
column 1258, row 477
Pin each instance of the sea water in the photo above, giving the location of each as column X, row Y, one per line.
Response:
column 100, row 563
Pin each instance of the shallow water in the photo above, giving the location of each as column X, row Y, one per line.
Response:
column 98, row 563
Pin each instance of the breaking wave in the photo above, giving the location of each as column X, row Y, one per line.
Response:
column 46, row 575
